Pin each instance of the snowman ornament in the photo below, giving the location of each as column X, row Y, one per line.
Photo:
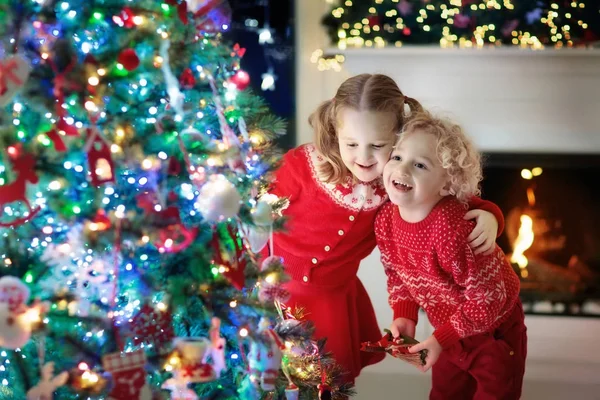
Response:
column 16, row 318
column 264, row 358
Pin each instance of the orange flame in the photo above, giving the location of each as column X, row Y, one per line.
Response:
column 522, row 243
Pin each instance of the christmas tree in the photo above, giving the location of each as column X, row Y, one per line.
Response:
column 133, row 207
column 464, row 23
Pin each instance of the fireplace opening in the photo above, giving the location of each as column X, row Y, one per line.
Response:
column 551, row 205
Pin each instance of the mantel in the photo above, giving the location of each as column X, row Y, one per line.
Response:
column 504, row 51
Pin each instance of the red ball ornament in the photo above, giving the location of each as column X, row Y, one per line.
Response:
column 187, row 80
column 374, row 20
column 125, row 18
column 241, row 79
column 129, row 59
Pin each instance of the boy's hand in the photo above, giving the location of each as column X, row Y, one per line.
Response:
column 403, row 326
column 434, row 349
column 483, row 237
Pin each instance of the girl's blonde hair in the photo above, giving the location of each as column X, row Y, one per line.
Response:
column 456, row 153
column 365, row 92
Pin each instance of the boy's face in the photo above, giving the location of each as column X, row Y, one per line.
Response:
column 414, row 177
column 365, row 139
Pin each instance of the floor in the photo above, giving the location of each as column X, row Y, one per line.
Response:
column 371, row 386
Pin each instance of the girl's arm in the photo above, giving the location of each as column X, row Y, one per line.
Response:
column 490, row 224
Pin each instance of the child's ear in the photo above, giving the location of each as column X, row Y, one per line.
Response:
column 447, row 190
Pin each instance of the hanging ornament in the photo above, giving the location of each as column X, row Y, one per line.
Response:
column 271, row 292
column 186, row 79
column 265, row 35
column 125, row 18
column 100, row 162
column 129, row 59
column 179, row 389
column 271, row 289
column 292, row 392
column 70, row 269
column 129, row 375
column 257, row 237
column 218, row 199
column 48, row 383
column 271, row 262
column 238, row 51
column 23, row 165
column 14, row 72
column 175, row 238
column 236, row 164
column 86, row 381
column 165, row 124
column 241, row 79
column 101, row 222
column 193, row 355
column 462, row 21
column 374, row 20
column 174, row 168
column 59, row 144
column 234, row 269
column 405, row 7
column 262, row 214
column 95, row 275
column 218, row 347
column 16, row 318
column 61, row 83
column 264, row 357
column 324, row 392
column 268, row 80
column 210, row 16
column 152, row 326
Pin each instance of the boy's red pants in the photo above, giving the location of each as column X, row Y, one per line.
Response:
column 489, row 366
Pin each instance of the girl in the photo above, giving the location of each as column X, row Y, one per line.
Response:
column 479, row 345
column 335, row 190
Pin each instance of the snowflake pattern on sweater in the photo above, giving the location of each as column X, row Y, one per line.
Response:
column 429, row 264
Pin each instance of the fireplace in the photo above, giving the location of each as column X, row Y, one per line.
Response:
column 551, row 204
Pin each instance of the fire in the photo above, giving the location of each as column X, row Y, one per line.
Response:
column 522, row 243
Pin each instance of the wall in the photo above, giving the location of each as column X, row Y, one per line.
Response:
column 509, row 100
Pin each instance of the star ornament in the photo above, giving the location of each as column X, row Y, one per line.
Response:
column 265, row 35
column 268, row 81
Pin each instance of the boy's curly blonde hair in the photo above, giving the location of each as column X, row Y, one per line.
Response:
column 455, row 151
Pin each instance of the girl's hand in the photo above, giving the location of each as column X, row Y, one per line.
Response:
column 483, row 237
column 403, row 326
column 434, row 349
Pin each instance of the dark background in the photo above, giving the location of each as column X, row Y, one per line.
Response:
column 280, row 55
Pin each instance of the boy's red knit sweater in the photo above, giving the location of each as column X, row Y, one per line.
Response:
column 429, row 264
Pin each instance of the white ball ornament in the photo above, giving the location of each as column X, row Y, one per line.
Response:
column 262, row 215
column 218, row 199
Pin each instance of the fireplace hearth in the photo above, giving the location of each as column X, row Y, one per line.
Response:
column 551, row 204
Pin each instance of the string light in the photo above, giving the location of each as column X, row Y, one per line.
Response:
column 380, row 24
